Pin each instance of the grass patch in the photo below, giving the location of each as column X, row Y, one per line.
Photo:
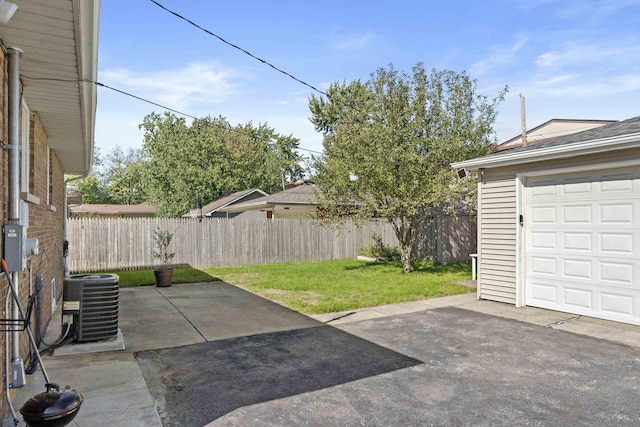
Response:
column 132, row 278
column 329, row 286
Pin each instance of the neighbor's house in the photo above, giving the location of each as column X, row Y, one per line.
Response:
column 559, row 223
column 48, row 56
column 98, row 210
column 298, row 200
column 214, row 209
column 552, row 129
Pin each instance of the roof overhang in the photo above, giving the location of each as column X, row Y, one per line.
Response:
column 59, row 39
column 261, row 205
column 222, row 207
column 535, row 154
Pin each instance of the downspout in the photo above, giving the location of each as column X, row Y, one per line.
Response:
column 65, row 226
column 14, row 55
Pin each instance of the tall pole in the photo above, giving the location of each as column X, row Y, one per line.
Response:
column 523, row 121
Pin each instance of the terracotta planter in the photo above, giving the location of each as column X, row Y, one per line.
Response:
column 164, row 278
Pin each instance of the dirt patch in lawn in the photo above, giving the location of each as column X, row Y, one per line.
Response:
column 306, row 297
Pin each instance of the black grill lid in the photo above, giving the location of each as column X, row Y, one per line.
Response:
column 51, row 404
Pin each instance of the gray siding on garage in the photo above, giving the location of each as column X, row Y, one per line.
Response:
column 497, row 237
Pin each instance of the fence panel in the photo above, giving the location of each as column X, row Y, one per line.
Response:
column 97, row 244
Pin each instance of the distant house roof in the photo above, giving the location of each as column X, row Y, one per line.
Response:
column 233, row 198
column 552, row 129
column 614, row 136
column 303, row 194
column 298, row 182
column 87, row 209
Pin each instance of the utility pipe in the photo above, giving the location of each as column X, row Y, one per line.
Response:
column 65, row 229
column 14, row 55
column 7, row 365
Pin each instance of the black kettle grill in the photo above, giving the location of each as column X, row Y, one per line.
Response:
column 52, row 408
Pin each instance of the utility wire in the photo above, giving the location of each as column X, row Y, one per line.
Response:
column 141, row 99
column 232, row 129
column 349, row 104
column 108, row 87
column 265, row 62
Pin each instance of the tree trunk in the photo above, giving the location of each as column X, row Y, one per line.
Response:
column 405, row 256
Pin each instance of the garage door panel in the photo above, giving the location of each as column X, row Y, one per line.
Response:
column 617, row 273
column 582, row 243
column 543, row 240
column 617, row 304
column 577, row 186
column 545, row 294
column 543, row 215
column 541, row 265
column 610, row 304
column 618, row 213
column 617, row 243
column 575, row 297
column 577, row 214
column 581, row 269
column 577, row 241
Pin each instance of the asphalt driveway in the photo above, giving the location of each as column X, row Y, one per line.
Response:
column 445, row 366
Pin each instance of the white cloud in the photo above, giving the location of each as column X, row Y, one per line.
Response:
column 501, row 56
column 574, row 54
column 354, row 42
column 200, row 82
column 585, row 87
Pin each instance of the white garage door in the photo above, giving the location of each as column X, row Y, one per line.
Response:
column 582, row 243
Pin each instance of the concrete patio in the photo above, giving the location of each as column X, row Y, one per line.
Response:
column 212, row 352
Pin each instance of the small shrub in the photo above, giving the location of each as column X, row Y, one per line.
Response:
column 162, row 240
column 379, row 250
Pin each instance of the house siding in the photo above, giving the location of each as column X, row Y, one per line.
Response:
column 497, row 237
column 46, row 223
column 497, row 219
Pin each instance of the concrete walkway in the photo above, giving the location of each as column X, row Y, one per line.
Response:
column 113, row 384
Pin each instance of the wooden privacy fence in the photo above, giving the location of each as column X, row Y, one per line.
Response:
column 127, row 243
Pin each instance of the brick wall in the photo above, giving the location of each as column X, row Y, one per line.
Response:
column 46, row 223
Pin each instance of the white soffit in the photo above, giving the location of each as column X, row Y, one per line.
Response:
column 59, row 40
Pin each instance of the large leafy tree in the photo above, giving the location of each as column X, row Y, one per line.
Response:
column 209, row 158
column 115, row 178
column 123, row 176
column 389, row 142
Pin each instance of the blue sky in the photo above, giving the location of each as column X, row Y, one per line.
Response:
column 570, row 59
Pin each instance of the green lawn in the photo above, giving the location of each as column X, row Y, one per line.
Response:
column 133, row 278
column 329, row 286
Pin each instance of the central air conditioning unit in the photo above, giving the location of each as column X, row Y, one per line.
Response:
column 92, row 300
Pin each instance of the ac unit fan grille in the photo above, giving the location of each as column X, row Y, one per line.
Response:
column 98, row 315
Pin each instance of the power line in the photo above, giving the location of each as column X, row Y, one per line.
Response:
column 141, row 99
column 265, row 62
column 108, row 87
column 232, row 129
column 348, row 103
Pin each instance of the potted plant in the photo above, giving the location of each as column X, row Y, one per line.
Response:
column 162, row 240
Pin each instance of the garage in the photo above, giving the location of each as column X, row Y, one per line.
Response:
column 559, row 223
column 582, row 243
